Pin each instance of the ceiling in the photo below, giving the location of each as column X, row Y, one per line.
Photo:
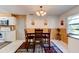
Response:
column 52, row 10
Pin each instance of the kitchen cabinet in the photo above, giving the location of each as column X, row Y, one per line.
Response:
column 7, row 20
column 12, row 21
column 7, row 25
column 10, row 36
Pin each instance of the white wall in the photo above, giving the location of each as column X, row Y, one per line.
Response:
column 73, row 44
column 39, row 22
column 71, row 12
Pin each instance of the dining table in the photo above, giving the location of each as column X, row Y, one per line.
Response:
column 45, row 36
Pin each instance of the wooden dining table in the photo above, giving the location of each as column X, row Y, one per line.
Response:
column 45, row 36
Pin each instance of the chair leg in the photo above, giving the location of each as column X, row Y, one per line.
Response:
column 34, row 48
column 27, row 49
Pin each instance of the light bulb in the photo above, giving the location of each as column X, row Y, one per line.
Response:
column 41, row 12
column 38, row 13
column 44, row 13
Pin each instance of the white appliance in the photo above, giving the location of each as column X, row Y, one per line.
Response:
column 2, row 36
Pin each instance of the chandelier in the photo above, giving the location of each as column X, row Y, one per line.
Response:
column 40, row 12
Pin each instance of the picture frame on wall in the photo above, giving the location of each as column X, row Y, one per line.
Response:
column 62, row 22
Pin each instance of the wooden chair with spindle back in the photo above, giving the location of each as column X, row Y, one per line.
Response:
column 30, row 41
column 38, row 36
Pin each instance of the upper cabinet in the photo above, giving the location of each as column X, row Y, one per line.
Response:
column 7, row 23
column 12, row 21
column 7, row 20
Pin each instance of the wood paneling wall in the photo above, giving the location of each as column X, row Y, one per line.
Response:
column 53, row 33
column 63, row 34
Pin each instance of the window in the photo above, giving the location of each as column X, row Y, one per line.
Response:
column 73, row 26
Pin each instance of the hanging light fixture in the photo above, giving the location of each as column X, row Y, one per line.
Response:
column 40, row 12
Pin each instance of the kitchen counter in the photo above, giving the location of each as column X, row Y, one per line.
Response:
column 12, row 47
